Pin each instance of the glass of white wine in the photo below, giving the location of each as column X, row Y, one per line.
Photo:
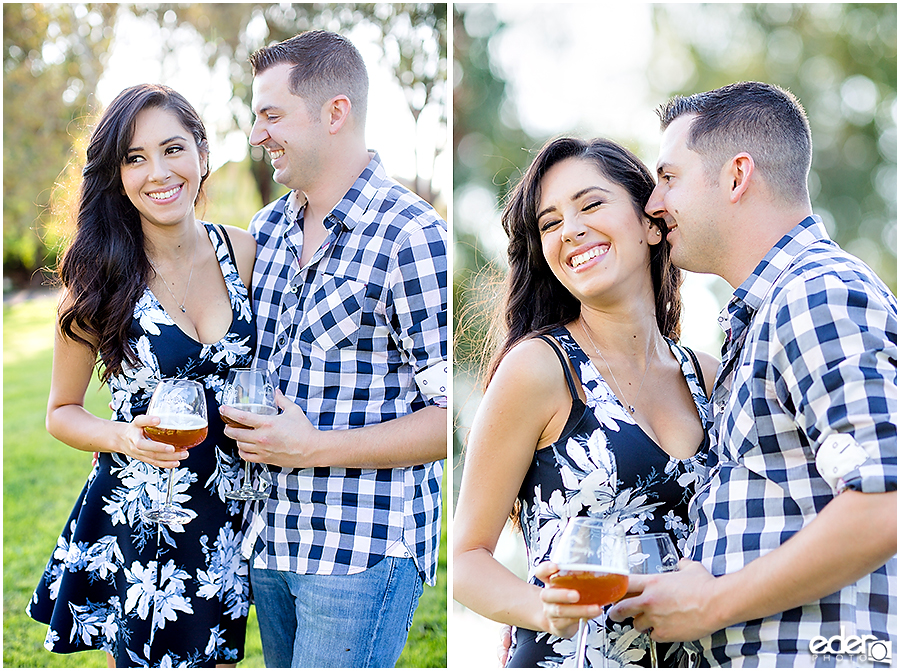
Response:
column 249, row 390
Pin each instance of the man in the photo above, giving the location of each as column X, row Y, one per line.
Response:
column 795, row 534
column 350, row 293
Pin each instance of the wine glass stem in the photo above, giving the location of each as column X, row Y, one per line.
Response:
column 654, row 660
column 169, row 488
column 247, row 474
column 582, row 642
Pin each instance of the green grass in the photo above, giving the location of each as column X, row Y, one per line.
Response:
column 42, row 478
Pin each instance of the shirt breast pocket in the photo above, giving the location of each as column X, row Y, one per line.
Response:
column 332, row 314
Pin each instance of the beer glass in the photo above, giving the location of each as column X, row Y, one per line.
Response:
column 652, row 553
column 181, row 408
column 249, row 390
column 592, row 560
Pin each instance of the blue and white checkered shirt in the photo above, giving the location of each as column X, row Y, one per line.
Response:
column 346, row 336
column 805, row 406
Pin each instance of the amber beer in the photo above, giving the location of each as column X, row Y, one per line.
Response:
column 178, row 430
column 594, row 584
column 255, row 408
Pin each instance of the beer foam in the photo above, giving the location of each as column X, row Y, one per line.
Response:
column 591, row 568
column 179, row 421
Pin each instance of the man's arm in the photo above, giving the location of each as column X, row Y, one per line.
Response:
column 291, row 441
column 854, row 535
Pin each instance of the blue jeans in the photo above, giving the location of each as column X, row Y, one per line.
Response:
column 353, row 621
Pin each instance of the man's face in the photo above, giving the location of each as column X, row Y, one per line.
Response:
column 286, row 129
column 687, row 200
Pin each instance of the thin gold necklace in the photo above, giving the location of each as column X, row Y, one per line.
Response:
column 190, row 277
column 628, row 406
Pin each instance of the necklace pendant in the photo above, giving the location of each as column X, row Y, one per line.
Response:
column 185, row 311
column 631, row 409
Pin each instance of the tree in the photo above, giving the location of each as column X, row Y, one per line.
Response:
column 413, row 37
column 53, row 56
column 840, row 60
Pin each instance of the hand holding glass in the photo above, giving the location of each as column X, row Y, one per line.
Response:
column 181, row 408
column 249, row 390
column 592, row 560
column 652, row 553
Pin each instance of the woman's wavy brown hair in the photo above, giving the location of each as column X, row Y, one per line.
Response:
column 536, row 302
column 105, row 267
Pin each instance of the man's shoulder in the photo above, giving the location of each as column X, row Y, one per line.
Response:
column 826, row 262
column 400, row 204
column 395, row 215
column 824, row 277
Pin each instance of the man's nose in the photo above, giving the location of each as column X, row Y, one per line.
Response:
column 655, row 207
column 258, row 134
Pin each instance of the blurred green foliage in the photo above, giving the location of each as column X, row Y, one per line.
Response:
column 839, row 59
column 55, row 54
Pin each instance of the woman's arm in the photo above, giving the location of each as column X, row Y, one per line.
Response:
column 244, row 246
column 68, row 421
column 524, row 408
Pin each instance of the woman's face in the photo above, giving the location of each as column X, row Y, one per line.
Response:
column 593, row 238
column 162, row 169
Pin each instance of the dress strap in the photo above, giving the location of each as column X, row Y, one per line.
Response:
column 227, row 242
column 697, row 369
column 565, row 366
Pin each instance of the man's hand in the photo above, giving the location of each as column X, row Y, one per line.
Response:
column 288, row 440
column 505, row 644
column 676, row 605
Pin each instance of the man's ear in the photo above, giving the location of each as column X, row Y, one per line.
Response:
column 337, row 112
column 739, row 172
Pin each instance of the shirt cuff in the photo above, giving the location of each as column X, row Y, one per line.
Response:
column 432, row 382
column 845, row 464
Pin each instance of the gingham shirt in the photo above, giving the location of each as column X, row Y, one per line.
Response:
column 345, row 336
column 809, row 373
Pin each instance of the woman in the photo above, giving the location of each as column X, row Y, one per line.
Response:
column 151, row 292
column 592, row 408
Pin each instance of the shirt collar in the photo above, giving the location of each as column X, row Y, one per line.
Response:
column 354, row 203
column 749, row 296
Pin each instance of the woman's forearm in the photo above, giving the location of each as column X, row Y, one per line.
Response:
column 487, row 587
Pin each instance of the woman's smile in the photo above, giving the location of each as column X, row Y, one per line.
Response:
column 169, row 195
column 580, row 260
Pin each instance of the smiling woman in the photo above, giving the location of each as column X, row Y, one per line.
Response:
column 559, row 434
column 147, row 161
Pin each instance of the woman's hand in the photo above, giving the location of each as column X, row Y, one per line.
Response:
column 134, row 442
column 560, row 611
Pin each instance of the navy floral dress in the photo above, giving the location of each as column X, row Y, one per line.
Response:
column 148, row 594
column 604, row 465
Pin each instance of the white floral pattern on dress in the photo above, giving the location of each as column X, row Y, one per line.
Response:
column 135, row 589
column 582, row 474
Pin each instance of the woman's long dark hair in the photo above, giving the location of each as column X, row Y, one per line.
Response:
column 105, row 267
column 536, row 302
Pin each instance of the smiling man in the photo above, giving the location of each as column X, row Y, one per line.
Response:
column 350, row 290
column 794, row 535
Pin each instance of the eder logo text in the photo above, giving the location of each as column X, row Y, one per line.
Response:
column 866, row 648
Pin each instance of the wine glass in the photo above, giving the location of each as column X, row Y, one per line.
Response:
column 592, row 560
column 181, row 408
column 652, row 553
column 250, row 390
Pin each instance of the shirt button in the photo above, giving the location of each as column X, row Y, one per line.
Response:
column 282, row 340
